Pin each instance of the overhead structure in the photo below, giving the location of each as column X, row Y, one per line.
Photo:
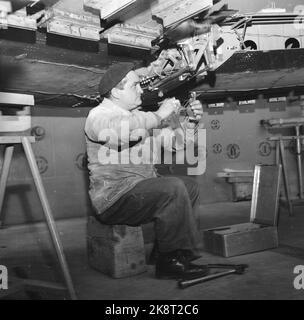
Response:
column 106, row 9
column 97, row 26
column 68, row 18
column 137, row 21
column 187, row 41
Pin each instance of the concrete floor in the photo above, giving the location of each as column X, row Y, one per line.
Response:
column 27, row 252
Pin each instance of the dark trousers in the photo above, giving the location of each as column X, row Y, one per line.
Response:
column 171, row 202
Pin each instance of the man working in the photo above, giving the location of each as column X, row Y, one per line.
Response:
column 126, row 191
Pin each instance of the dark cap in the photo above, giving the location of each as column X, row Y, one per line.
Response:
column 113, row 76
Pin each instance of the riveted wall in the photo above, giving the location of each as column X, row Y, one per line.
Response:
column 235, row 140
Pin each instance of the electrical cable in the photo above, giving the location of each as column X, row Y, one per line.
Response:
column 93, row 70
column 56, row 95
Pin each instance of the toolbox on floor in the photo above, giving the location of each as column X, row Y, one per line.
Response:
column 261, row 232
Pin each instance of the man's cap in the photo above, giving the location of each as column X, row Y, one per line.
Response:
column 113, row 76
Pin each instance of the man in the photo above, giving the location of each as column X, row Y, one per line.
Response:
column 124, row 190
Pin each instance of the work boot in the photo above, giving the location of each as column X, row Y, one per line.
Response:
column 183, row 254
column 187, row 255
column 170, row 266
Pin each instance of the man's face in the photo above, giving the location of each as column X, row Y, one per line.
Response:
column 130, row 95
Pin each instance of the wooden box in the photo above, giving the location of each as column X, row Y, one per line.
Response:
column 117, row 250
column 261, row 232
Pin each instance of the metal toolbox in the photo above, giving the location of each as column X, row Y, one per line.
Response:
column 261, row 232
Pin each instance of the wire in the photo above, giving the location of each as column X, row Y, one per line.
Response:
column 266, row 35
column 69, row 95
column 94, row 70
column 56, row 95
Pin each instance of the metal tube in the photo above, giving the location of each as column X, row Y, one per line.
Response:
column 299, row 162
column 187, row 283
column 286, row 183
column 285, row 138
column 277, row 152
column 8, row 154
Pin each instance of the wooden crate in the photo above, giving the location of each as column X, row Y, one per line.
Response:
column 260, row 233
column 240, row 239
column 117, row 250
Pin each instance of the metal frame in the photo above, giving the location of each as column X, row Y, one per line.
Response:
column 254, row 218
column 255, row 191
column 295, row 123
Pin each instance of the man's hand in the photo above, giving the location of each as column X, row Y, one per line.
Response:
column 197, row 109
column 168, row 107
column 136, row 134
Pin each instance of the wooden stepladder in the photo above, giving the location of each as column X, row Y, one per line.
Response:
column 9, row 141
